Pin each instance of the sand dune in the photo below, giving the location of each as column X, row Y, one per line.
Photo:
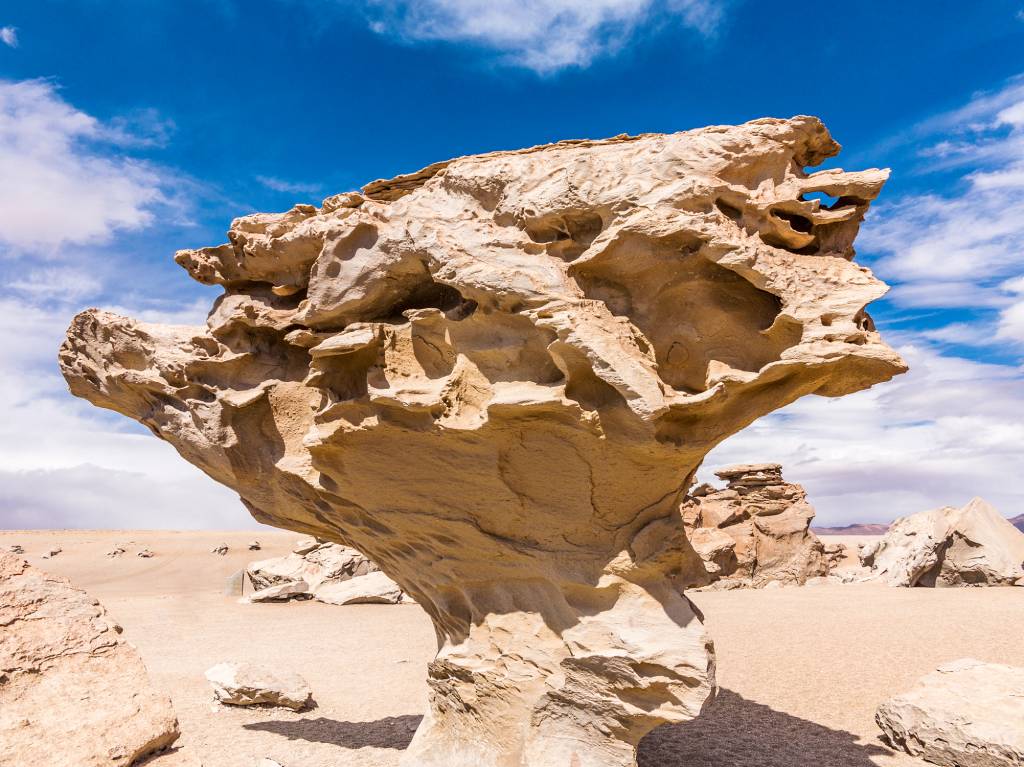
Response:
column 801, row 669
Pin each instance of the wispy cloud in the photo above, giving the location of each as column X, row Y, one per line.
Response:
column 541, row 35
column 9, row 36
column 961, row 248
column 289, row 187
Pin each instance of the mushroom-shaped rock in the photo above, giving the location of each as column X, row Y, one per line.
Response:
column 246, row 684
column 964, row 714
column 496, row 377
column 72, row 691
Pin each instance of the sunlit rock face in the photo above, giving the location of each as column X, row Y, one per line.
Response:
column 496, row 377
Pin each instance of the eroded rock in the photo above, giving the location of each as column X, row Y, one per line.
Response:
column 246, row 684
column 322, row 563
column 970, row 546
column 374, row 588
column 755, row 531
column 496, row 377
column 964, row 714
column 68, row 678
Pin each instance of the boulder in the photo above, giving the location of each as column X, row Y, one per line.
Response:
column 375, row 588
column 754, row 531
column 495, row 377
column 220, row 549
column 52, row 552
column 970, row 546
column 246, row 684
column 965, row 714
column 835, row 555
column 117, row 551
column 16, row 549
column 254, row 546
column 323, row 563
column 305, row 545
column 68, row 678
column 145, row 554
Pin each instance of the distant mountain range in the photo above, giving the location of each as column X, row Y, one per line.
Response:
column 882, row 529
column 859, row 529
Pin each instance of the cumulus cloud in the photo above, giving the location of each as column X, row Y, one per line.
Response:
column 65, row 177
column 946, row 431
column 9, row 36
column 962, row 248
column 542, row 35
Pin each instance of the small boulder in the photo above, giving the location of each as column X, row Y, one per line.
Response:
column 222, row 549
column 254, row 546
column 145, row 554
column 246, row 684
column 16, row 549
column 52, row 552
column 374, row 588
column 117, row 551
column 964, row 714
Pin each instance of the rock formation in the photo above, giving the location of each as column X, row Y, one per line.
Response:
column 496, row 377
column 322, row 563
column 971, row 546
column 755, row 531
column 246, row 684
column 73, row 693
column 965, row 714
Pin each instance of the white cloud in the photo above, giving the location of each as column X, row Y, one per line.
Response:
column 959, row 249
column 946, row 431
column 542, row 35
column 290, row 187
column 9, row 36
column 61, row 183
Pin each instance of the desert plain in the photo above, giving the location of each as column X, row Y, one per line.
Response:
column 800, row 669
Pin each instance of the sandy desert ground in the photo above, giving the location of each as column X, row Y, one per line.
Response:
column 801, row 669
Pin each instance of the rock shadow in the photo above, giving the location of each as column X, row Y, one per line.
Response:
column 736, row 732
column 390, row 732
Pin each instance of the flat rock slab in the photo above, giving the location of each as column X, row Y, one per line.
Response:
column 964, row 714
column 67, row 677
column 246, row 684
column 373, row 588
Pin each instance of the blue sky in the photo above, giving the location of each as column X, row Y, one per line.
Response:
column 132, row 128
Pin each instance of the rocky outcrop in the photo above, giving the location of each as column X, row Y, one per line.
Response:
column 971, row 546
column 246, row 684
column 496, row 377
column 755, row 530
column 323, row 563
column 68, row 678
column 965, row 714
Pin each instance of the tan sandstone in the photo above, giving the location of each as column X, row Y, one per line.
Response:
column 755, row 531
column 496, row 378
column 72, row 692
column 971, row 546
column 965, row 714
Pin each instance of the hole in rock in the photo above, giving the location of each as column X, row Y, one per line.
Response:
column 566, row 235
column 728, row 210
column 826, row 200
column 795, row 220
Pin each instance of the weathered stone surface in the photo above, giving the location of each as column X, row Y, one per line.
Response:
column 965, row 714
column 325, row 562
column 970, row 546
column 68, row 678
column 246, row 684
column 755, row 531
column 496, row 377
column 375, row 588
column 280, row 592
